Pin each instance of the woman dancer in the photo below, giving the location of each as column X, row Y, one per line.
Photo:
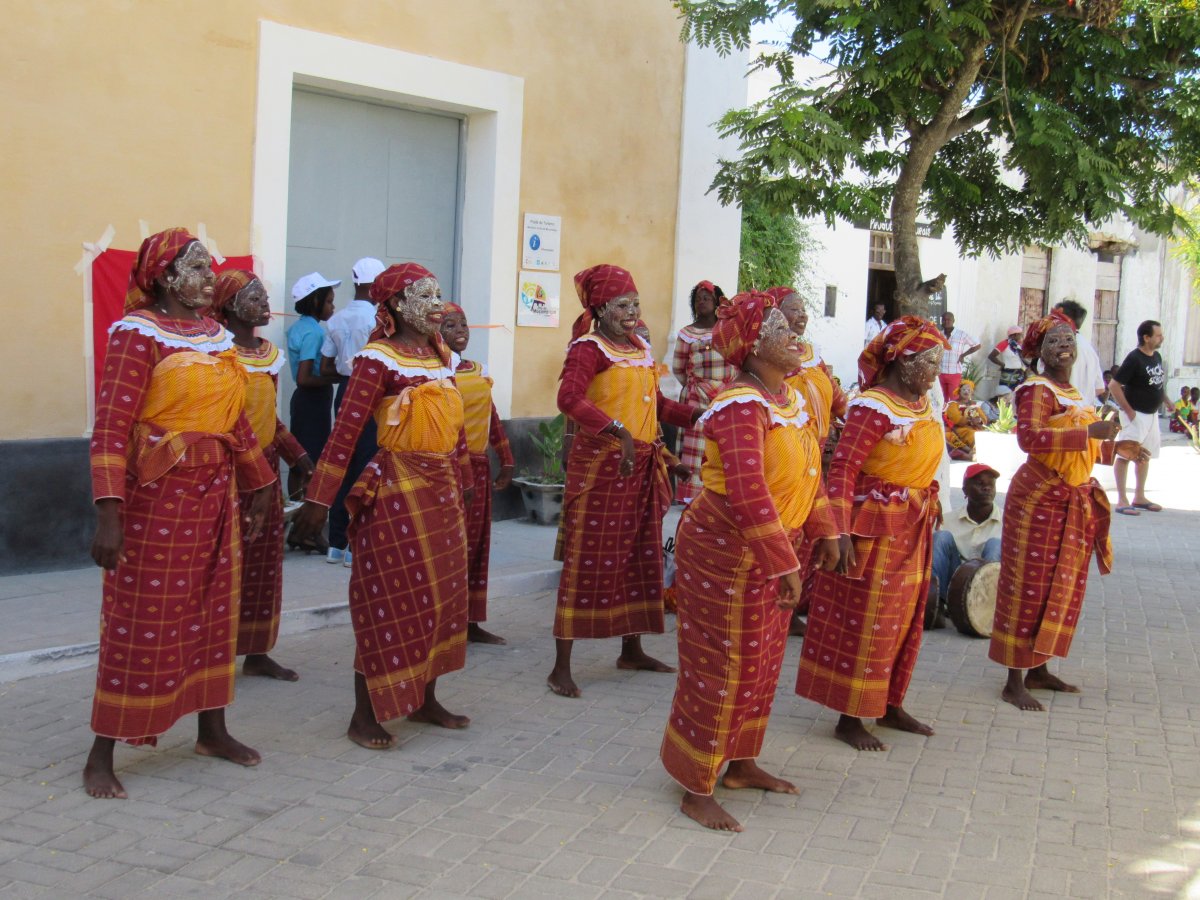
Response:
column 170, row 449
column 1055, row 517
column 483, row 430
column 240, row 303
column 737, row 576
column 408, row 578
column 702, row 373
column 865, row 620
column 617, row 489
column 824, row 399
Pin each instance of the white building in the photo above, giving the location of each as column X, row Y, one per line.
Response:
column 1126, row 277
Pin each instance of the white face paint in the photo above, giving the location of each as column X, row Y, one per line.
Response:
column 251, row 304
column 777, row 344
column 192, row 281
column 619, row 316
column 422, row 308
column 919, row 371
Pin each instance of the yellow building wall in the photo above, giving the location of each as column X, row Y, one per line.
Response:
column 120, row 111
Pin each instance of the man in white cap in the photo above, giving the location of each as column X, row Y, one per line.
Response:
column 347, row 333
column 1007, row 355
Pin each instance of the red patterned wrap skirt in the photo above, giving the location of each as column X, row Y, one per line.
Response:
column 479, row 537
column 612, row 574
column 731, row 644
column 408, row 582
column 262, row 573
column 169, row 616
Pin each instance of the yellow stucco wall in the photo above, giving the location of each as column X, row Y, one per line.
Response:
column 120, row 111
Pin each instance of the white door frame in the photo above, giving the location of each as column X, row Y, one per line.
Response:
column 492, row 105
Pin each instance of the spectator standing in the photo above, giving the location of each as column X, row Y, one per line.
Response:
column 875, row 323
column 347, row 332
column 1087, row 375
column 1138, row 389
column 1007, row 356
column 962, row 345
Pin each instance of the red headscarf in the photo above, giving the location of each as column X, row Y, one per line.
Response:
column 156, row 253
column 906, row 336
column 455, row 308
column 1031, row 344
column 738, row 323
column 595, row 287
column 778, row 293
column 228, row 284
column 390, row 282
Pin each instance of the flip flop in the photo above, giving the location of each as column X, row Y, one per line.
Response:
column 1149, row 507
column 1127, row 511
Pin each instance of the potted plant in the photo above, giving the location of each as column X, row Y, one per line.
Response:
column 542, row 493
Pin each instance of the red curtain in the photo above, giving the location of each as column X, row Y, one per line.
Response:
column 110, row 280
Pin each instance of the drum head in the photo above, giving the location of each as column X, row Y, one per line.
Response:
column 972, row 597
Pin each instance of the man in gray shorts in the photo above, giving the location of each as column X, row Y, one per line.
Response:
column 1138, row 390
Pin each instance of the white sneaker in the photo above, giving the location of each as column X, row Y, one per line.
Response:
column 346, row 560
column 334, row 556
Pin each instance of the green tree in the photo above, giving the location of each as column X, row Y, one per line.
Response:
column 1013, row 122
column 776, row 249
column 1187, row 247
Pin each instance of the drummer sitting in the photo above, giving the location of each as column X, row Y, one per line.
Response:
column 970, row 533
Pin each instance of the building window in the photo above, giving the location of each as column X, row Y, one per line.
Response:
column 830, row 300
column 881, row 256
column 1035, row 283
column 1191, row 343
column 1105, row 309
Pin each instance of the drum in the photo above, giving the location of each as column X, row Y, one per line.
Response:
column 972, row 597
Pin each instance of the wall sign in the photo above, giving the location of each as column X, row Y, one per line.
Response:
column 538, row 298
column 539, row 249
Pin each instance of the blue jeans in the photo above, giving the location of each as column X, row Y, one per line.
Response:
column 946, row 558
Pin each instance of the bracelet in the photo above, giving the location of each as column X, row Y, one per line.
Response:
column 616, row 425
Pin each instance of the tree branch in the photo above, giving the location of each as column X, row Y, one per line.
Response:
column 965, row 123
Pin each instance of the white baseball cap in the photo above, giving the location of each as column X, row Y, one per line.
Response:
column 367, row 269
column 309, row 283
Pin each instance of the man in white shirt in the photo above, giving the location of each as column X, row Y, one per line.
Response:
column 875, row 324
column 962, row 345
column 1086, row 375
column 347, row 332
column 970, row 533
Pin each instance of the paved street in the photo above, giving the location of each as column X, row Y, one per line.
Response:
column 544, row 796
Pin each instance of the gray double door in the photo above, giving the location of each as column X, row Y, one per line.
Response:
column 371, row 180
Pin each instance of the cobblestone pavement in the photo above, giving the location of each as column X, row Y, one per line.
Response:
column 544, row 796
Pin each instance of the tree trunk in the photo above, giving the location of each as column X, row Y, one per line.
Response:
column 912, row 292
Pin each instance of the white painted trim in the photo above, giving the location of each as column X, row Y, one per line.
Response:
column 492, row 104
column 707, row 234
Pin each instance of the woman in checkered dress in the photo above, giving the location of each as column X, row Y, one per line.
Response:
column 702, row 372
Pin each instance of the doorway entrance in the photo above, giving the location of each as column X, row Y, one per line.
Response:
column 881, row 275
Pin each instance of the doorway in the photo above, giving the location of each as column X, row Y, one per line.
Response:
column 881, row 275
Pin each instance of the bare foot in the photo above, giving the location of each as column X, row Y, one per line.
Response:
column 261, row 665
column 745, row 773
column 563, row 684
column 708, row 812
column 225, row 747
column 1041, row 679
column 476, row 635
column 897, row 718
column 99, row 779
column 433, row 713
column 1019, row 697
column 640, row 662
column 852, row 731
column 368, row 733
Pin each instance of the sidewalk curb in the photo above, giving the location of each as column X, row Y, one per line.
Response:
column 68, row 658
